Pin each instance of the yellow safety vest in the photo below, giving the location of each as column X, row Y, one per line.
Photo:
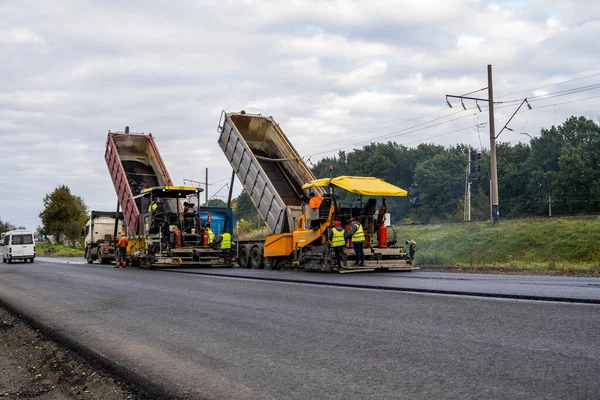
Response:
column 226, row 241
column 211, row 236
column 338, row 238
column 152, row 207
column 359, row 235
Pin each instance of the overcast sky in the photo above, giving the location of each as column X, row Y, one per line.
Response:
column 334, row 74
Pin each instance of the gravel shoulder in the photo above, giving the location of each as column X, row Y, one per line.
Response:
column 34, row 366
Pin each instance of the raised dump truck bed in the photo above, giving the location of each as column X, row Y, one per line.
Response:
column 134, row 164
column 268, row 166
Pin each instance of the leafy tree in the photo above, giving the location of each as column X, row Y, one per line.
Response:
column 216, row 203
column 578, row 178
column 244, row 208
column 513, row 176
column 543, row 166
column 439, row 185
column 64, row 214
column 5, row 226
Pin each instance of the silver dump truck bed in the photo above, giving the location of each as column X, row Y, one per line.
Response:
column 268, row 166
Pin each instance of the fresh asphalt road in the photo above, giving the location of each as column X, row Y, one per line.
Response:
column 511, row 286
column 204, row 336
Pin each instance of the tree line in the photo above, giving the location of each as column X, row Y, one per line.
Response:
column 561, row 166
column 560, row 169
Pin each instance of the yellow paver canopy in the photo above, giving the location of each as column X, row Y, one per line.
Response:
column 365, row 186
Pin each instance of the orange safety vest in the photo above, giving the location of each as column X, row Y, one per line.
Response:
column 315, row 202
column 122, row 242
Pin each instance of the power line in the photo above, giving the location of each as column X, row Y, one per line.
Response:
column 408, row 130
column 400, row 132
column 566, row 92
column 380, row 129
column 552, row 84
column 566, row 102
column 501, row 118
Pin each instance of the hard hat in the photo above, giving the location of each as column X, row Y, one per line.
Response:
column 122, row 233
column 337, row 223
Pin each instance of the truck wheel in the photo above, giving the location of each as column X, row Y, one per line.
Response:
column 273, row 264
column 31, row 260
column 256, row 259
column 102, row 260
column 244, row 257
column 88, row 256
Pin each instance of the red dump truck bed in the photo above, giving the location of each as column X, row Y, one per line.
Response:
column 134, row 164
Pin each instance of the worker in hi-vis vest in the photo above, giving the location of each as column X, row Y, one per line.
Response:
column 338, row 241
column 357, row 235
column 226, row 246
column 211, row 235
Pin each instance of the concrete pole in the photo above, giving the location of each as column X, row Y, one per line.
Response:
column 491, row 218
column 469, row 196
column 494, row 170
column 466, row 191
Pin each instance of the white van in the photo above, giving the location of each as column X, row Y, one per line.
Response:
column 18, row 245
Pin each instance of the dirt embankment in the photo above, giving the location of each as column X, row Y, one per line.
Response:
column 33, row 366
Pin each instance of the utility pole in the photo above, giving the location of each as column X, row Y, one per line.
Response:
column 469, row 201
column 493, row 165
column 466, row 191
column 495, row 208
column 549, row 205
column 206, row 187
column 467, row 213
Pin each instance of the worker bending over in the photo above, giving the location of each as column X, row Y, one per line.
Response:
column 211, row 235
column 314, row 203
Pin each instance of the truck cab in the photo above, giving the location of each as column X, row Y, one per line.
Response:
column 101, row 232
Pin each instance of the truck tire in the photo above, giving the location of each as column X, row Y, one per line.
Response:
column 244, row 257
column 273, row 264
column 88, row 256
column 102, row 260
column 256, row 259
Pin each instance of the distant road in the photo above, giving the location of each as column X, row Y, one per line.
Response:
column 218, row 337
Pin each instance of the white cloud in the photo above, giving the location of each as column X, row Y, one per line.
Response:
column 332, row 73
column 20, row 36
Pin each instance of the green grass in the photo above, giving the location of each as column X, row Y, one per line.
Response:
column 559, row 244
column 59, row 250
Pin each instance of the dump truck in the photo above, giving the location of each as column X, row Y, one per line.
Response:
column 162, row 227
column 278, row 183
column 101, row 235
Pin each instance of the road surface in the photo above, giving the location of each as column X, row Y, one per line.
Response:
column 201, row 336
